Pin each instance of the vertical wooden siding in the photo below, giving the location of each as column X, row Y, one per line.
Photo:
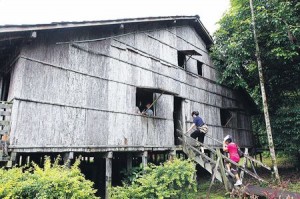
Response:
column 84, row 94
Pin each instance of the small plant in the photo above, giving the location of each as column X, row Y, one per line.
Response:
column 174, row 179
column 50, row 182
column 132, row 174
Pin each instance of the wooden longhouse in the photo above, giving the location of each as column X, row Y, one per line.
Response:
column 73, row 88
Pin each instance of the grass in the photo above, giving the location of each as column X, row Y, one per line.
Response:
column 217, row 191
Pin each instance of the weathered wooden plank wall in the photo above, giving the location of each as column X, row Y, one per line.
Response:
column 84, row 94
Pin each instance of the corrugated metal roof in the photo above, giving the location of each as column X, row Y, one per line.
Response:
column 61, row 25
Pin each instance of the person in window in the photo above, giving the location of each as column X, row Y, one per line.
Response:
column 148, row 112
column 232, row 149
column 197, row 123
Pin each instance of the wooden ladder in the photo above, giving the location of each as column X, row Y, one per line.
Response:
column 214, row 164
column 5, row 114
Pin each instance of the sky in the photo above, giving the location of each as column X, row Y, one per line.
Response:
column 47, row 11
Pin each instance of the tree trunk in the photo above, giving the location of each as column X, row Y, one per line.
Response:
column 264, row 98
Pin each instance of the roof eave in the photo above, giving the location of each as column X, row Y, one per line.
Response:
column 61, row 25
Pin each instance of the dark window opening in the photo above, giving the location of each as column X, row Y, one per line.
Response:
column 181, row 59
column 225, row 117
column 144, row 97
column 5, row 87
column 199, row 67
column 177, row 117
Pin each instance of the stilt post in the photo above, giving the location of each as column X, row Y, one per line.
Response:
column 108, row 173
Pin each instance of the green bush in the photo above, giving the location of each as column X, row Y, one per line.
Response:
column 50, row 182
column 174, row 179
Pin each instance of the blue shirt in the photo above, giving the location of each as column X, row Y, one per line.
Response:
column 149, row 113
column 198, row 121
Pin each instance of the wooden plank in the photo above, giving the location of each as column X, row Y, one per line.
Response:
column 4, row 122
column 213, row 177
column 222, row 170
column 258, row 162
column 275, row 193
column 2, row 132
column 5, row 113
column 6, row 106
column 244, row 165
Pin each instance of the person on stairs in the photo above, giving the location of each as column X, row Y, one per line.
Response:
column 197, row 123
column 232, row 149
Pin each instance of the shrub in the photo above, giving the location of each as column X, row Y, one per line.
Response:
column 174, row 179
column 50, row 182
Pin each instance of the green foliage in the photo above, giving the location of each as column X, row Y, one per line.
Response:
column 278, row 29
column 132, row 174
column 50, row 182
column 174, row 179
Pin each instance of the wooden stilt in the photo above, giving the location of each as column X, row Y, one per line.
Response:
column 129, row 161
column 67, row 158
column 172, row 155
column 213, row 177
column 222, row 169
column 145, row 158
column 108, row 173
column 244, row 164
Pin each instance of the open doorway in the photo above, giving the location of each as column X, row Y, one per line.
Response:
column 5, row 82
column 177, row 117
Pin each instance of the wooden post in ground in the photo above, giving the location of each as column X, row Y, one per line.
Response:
column 67, row 158
column 222, row 169
column 145, row 158
column 172, row 155
column 244, row 164
column 108, row 172
column 213, row 176
column 129, row 162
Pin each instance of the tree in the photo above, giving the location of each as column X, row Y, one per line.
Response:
column 278, row 28
column 264, row 97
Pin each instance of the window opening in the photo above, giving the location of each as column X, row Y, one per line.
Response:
column 181, row 59
column 199, row 67
column 226, row 116
column 143, row 98
column 182, row 54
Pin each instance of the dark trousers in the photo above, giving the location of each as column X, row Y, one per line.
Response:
column 198, row 134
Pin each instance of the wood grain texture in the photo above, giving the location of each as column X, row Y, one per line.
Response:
column 85, row 94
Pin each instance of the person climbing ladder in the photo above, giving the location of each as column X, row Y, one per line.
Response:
column 197, row 126
column 232, row 149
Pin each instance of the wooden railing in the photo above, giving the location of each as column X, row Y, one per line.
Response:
column 5, row 114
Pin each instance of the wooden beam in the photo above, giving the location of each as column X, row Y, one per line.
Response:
column 67, row 158
column 215, row 170
column 222, row 169
column 244, row 164
column 108, row 173
column 172, row 155
column 8, row 106
column 145, row 158
column 129, row 161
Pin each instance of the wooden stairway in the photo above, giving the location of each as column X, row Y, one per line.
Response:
column 5, row 113
column 213, row 162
